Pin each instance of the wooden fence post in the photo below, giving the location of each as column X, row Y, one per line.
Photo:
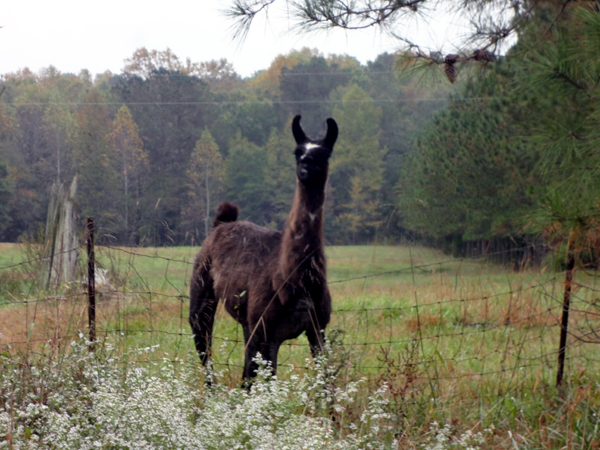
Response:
column 565, row 314
column 91, row 282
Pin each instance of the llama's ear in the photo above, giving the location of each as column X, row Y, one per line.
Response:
column 299, row 135
column 332, row 133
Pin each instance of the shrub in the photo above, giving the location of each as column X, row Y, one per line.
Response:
column 77, row 399
column 85, row 400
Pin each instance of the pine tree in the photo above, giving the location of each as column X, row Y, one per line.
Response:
column 469, row 173
column 488, row 25
column 563, row 72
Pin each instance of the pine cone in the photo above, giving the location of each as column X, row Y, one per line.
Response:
column 451, row 59
column 450, row 72
column 483, row 55
column 488, row 56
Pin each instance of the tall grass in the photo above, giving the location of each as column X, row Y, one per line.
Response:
column 451, row 348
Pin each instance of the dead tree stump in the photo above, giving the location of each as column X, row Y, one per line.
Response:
column 61, row 247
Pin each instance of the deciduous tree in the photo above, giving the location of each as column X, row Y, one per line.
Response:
column 281, row 174
column 357, row 165
column 204, row 176
column 244, row 180
column 131, row 161
column 98, row 182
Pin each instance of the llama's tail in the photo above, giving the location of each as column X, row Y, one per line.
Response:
column 227, row 213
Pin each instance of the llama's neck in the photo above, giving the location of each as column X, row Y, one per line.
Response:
column 303, row 241
column 307, row 210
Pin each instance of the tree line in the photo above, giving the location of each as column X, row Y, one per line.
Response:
column 156, row 147
column 503, row 158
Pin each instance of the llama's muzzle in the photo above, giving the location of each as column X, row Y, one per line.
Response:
column 303, row 172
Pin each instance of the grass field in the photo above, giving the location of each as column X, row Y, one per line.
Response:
column 476, row 340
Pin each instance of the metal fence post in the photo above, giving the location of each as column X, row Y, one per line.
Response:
column 565, row 313
column 91, row 282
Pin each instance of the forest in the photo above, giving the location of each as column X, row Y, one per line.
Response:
column 506, row 155
column 158, row 146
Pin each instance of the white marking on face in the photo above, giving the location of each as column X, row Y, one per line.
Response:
column 312, row 216
column 310, row 146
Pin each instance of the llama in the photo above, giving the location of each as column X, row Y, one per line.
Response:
column 272, row 282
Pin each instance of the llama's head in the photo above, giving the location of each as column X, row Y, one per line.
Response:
column 312, row 157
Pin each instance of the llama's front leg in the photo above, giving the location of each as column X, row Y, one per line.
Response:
column 251, row 348
column 269, row 351
column 316, row 340
column 254, row 345
column 203, row 306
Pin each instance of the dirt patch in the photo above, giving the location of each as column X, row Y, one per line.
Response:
column 65, row 317
column 425, row 320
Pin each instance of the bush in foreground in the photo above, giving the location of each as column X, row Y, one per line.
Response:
column 88, row 400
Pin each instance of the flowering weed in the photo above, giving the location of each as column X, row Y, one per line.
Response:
column 85, row 400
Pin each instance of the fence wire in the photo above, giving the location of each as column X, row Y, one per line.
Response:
column 481, row 328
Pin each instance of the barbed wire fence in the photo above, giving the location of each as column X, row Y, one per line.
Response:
column 468, row 333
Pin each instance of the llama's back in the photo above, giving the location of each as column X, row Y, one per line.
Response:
column 240, row 255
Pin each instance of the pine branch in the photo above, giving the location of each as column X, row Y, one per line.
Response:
column 559, row 74
column 357, row 15
column 244, row 12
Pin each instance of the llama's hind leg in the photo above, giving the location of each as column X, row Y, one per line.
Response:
column 203, row 305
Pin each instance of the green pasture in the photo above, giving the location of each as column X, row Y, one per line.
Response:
column 470, row 318
column 477, row 339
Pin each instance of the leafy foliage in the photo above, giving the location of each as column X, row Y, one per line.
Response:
column 244, row 179
column 281, row 175
column 204, row 175
column 131, row 161
column 133, row 139
column 99, row 180
column 357, row 165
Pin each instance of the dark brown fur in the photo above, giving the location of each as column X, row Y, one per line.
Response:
column 273, row 283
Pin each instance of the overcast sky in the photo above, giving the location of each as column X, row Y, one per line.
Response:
column 98, row 35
